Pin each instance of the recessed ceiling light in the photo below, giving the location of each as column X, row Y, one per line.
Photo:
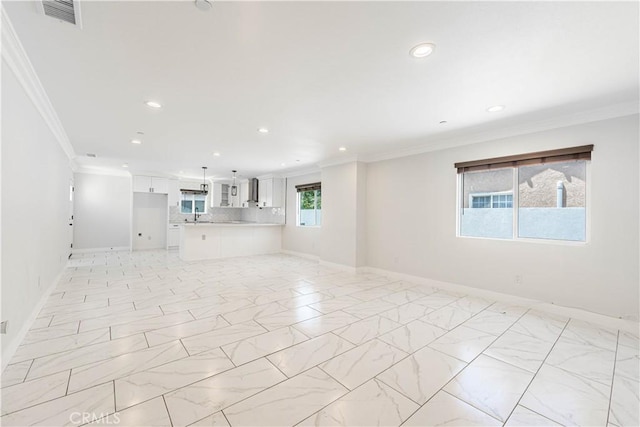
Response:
column 136, row 141
column 342, row 148
column 263, row 130
column 125, row 165
column 216, row 154
column 181, row 172
column 422, row 50
column 495, row 108
column 283, row 164
column 153, row 104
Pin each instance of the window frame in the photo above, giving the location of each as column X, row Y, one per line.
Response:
column 516, row 205
column 192, row 197
column 315, row 207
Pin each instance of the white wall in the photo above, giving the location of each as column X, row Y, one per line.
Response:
column 102, row 211
column 411, row 214
column 343, row 232
column 149, row 221
column 35, row 210
column 304, row 240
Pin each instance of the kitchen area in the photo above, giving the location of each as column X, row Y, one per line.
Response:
column 208, row 218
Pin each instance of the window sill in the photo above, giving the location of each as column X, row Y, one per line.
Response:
column 528, row 240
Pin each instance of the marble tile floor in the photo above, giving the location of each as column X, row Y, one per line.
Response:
column 145, row 339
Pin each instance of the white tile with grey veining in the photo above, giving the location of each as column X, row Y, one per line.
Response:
column 59, row 309
column 150, row 324
column 120, row 318
column 406, row 313
column 287, row 403
column 628, row 362
column 590, row 334
column 287, row 318
column 372, row 404
column 193, row 305
column 301, row 300
column 152, row 413
column 215, row 420
column 298, row 358
column 490, row 385
column 508, row 309
column 567, row 398
column 58, row 331
column 192, row 403
column 537, row 324
column 436, row 300
column 372, row 294
column 463, row 343
column 67, row 410
column 369, row 308
column 335, row 304
column 165, row 378
column 412, row 336
column 523, row 417
column 185, row 329
column 85, row 355
column 520, row 350
column 403, row 297
column 350, row 368
column 471, row 304
column 41, row 322
column 219, row 337
column 491, row 322
column 124, row 365
column 74, row 316
column 15, row 373
column 58, row 345
column 261, row 345
column 589, row 361
column 625, row 402
column 422, row 374
column 447, row 317
column 629, row 339
column 446, row 410
column 364, row 330
column 252, row 313
column 320, row 325
column 32, row 392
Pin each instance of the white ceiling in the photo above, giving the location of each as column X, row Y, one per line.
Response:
column 318, row 75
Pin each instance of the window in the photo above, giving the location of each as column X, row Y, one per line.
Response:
column 309, row 205
column 193, row 203
column 532, row 196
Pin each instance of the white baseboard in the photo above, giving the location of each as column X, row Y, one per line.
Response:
column 575, row 313
column 300, row 254
column 10, row 350
column 107, row 249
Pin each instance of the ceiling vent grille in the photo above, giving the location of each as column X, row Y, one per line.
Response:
column 63, row 10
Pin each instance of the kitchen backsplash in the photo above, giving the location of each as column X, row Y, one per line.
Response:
column 213, row 214
column 268, row 215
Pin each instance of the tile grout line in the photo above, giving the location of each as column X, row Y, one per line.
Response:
column 615, row 361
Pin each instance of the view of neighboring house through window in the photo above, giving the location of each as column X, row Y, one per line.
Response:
column 535, row 196
column 309, row 204
column 193, row 203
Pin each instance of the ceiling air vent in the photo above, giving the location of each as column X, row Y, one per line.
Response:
column 64, row 10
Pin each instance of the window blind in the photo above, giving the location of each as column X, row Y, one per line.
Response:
column 582, row 152
column 308, row 187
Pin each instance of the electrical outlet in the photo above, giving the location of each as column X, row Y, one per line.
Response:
column 3, row 327
column 518, row 280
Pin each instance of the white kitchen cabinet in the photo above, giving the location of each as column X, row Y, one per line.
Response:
column 271, row 192
column 243, row 191
column 222, row 197
column 150, row 184
column 173, row 236
column 174, row 192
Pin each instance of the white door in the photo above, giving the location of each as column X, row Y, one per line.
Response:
column 70, row 231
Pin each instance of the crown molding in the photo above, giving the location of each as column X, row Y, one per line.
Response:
column 302, row 172
column 95, row 170
column 14, row 55
column 594, row 115
column 340, row 161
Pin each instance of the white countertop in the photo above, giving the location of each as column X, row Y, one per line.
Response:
column 227, row 224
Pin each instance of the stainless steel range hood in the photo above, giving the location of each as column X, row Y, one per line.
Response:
column 253, row 190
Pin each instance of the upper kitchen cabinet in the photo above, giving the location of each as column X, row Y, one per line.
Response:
column 150, row 184
column 271, row 192
column 174, row 192
column 223, row 196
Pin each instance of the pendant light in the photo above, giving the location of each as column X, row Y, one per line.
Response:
column 204, row 187
column 234, row 187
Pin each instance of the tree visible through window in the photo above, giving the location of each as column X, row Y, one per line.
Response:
column 309, row 205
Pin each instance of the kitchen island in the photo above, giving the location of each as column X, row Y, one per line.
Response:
column 215, row 240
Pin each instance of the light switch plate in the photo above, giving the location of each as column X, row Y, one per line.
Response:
column 3, row 327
